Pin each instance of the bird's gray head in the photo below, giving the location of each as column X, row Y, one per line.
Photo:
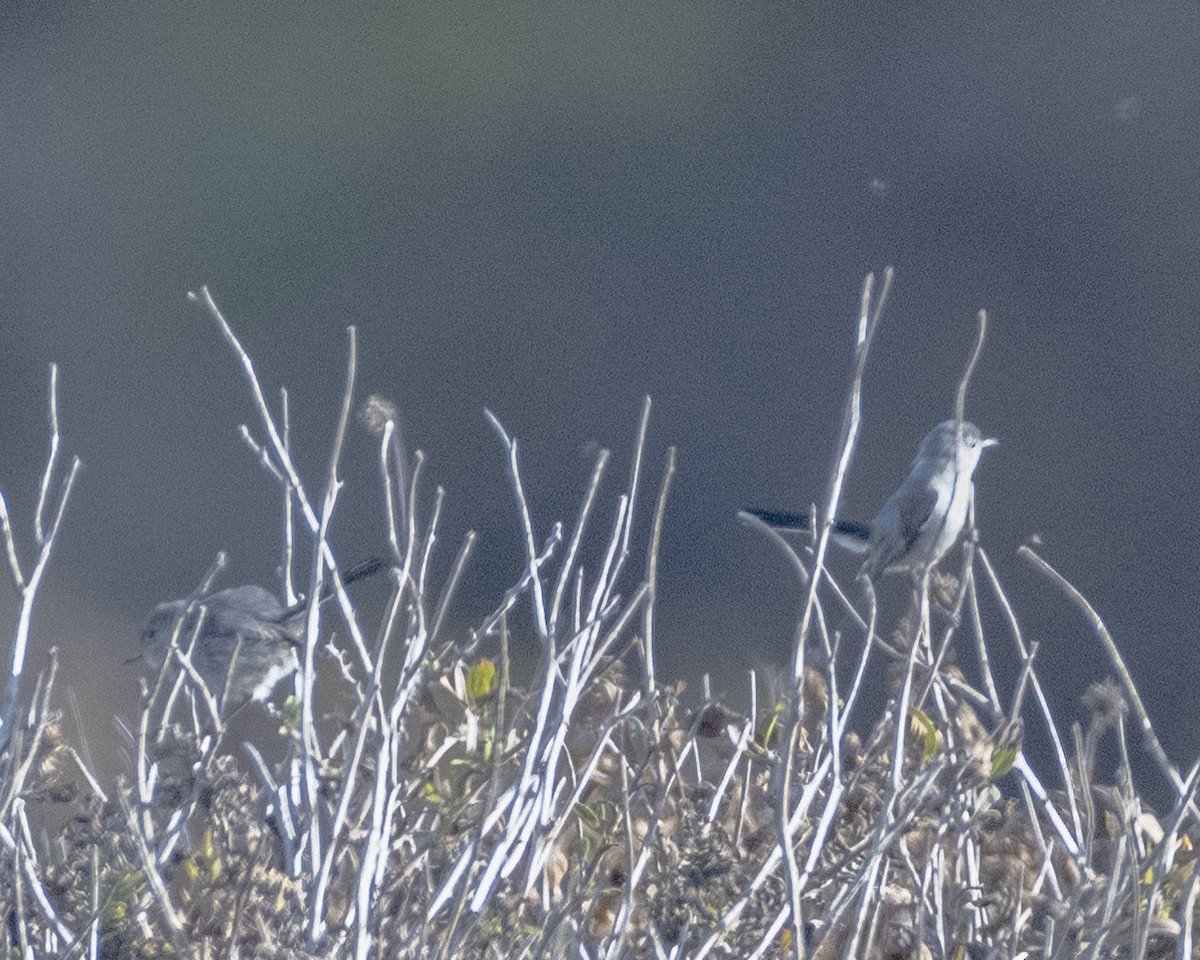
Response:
column 941, row 444
column 160, row 626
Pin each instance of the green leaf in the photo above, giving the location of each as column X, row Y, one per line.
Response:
column 587, row 815
column 291, row 712
column 928, row 730
column 1003, row 759
column 481, row 679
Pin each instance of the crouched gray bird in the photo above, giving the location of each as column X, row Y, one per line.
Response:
column 246, row 635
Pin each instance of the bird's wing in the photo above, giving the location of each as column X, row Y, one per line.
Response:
column 899, row 525
column 252, row 613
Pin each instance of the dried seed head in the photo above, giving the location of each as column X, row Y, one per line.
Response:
column 376, row 412
column 1106, row 703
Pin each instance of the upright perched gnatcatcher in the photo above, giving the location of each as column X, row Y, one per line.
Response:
column 924, row 518
column 246, row 635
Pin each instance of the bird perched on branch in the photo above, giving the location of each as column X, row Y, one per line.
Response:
column 923, row 519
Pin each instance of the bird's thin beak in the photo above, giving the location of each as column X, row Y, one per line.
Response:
column 990, row 442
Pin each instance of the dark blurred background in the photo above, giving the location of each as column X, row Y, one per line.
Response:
column 551, row 210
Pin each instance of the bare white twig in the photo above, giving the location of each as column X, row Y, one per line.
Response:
column 27, row 584
column 1118, row 663
column 868, row 323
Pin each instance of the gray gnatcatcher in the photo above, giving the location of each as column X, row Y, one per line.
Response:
column 246, row 635
column 924, row 518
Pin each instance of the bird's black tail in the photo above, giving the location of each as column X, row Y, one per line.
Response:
column 360, row 571
column 364, row 569
column 847, row 531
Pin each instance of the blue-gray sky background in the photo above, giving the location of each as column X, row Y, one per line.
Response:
column 551, row 210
